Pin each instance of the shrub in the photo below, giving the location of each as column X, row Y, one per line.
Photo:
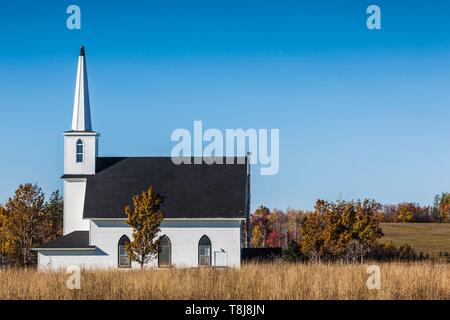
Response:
column 390, row 252
column 293, row 253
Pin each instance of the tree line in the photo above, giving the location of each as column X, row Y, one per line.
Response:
column 277, row 228
column 413, row 212
column 346, row 230
column 340, row 230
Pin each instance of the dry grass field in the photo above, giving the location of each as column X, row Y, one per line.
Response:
column 253, row 281
column 430, row 238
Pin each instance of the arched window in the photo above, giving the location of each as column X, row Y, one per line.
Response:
column 164, row 252
column 79, row 150
column 123, row 258
column 204, row 251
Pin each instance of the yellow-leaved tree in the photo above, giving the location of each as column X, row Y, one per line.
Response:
column 406, row 212
column 341, row 229
column 20, row 222
column 145, row 217
column 260, row 226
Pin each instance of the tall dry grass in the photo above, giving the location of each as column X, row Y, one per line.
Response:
column 253, row 281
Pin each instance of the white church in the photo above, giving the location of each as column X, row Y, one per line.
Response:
column 204, row 207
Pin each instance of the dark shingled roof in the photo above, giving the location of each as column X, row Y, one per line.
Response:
column 190, row 190
column 73, row 240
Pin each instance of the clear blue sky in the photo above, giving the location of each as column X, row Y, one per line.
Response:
column 361, row 113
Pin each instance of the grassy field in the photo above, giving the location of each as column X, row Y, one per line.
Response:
column 255, row 281
column 430, row 238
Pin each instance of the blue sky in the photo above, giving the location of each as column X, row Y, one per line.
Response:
column 361, row 113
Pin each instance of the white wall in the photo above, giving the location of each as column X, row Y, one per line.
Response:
column 74, row 190
column 184, row 236
column 58, row 259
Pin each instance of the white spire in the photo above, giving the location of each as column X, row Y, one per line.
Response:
column 81, row 119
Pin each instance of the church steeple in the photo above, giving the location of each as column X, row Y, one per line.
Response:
column 81, row 118
column 80, row 153
column 80, row 142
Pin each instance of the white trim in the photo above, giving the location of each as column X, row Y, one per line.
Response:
column 79, row 179
column 81, row 133
column 64, row 249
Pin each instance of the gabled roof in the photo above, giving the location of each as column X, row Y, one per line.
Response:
column 190, row 190
column 74, row 240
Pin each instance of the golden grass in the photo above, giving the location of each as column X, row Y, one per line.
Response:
column 253, row 281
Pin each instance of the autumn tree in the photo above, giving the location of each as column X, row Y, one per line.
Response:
column 406, row 212
column 366, row 228
column 145, row 217
column 277, row 235
column 409, row 212
column 312, row 234
column 20, row 221
column 341, row 229
column 442, row 207
column 327, row 231
column 339, row 218
column 294, row 222
column 4, row 244
column 275, row 228
column 260, row 226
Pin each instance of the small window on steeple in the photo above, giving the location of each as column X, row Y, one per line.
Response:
column 79, row 150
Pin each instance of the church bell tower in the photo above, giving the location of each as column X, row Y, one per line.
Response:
column 80, row 153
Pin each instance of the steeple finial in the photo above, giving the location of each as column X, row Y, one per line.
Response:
column 81, row 119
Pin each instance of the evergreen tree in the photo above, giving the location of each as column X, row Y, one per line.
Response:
column 292, row 252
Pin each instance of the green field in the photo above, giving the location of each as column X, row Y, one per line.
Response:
column 430, row 238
